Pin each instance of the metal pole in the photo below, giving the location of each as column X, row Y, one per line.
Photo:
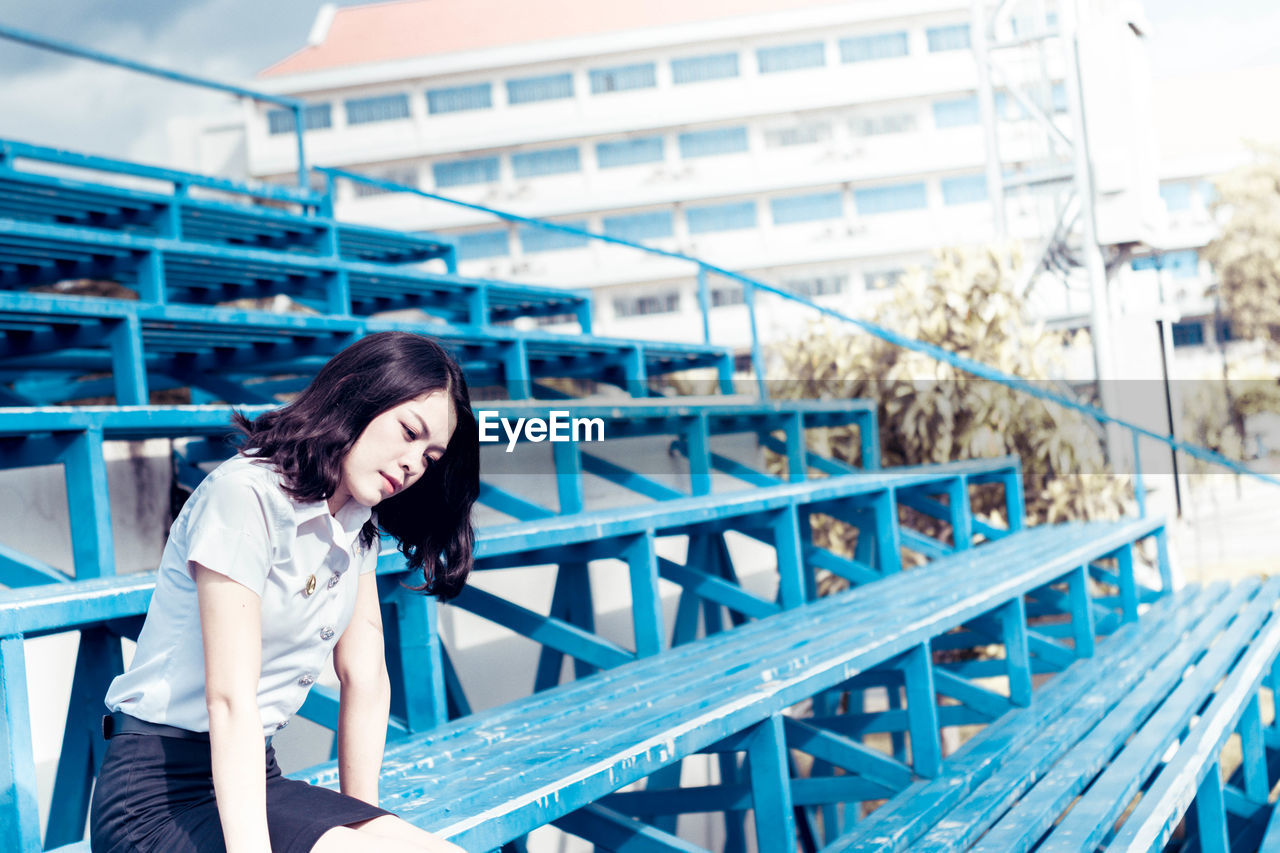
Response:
column 981, row 34
column 299, row 130
column 757, row 354
column 1095, row 266
column 1166, row 344
column 704, row 303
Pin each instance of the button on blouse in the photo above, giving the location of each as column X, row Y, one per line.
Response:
column 240, row 523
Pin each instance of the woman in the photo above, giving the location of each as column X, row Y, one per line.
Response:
column 269, row 568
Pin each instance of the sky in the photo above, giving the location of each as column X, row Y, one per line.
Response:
column 54, row 100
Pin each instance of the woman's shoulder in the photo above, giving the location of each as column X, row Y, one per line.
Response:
column 242, row 476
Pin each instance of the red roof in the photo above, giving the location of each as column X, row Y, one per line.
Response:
column 409, row 29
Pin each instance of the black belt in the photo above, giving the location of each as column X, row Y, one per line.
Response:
column 121, row 723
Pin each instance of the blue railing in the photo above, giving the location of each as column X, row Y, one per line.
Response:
column 752, row 285
column 68, row 49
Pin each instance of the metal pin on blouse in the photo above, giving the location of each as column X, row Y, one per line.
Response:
column 311, row 585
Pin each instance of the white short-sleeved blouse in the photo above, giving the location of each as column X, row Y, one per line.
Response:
column 240, row 523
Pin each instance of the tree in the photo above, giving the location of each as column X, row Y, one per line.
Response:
column 1246, row 255
column 930, row 412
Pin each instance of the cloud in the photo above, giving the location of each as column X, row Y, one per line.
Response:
column 1194, row 37
column 57, row 100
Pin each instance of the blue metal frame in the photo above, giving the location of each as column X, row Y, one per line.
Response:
column 1014, row 591
column 752, row 285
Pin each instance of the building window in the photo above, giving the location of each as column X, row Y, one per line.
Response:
column 549, row 87
column 629, row 152
column 955, row 37
column 809, row 133
column 475, row 245
column 818, row 285
column 867, row 48
column 1188, row 334
column 890, row 198
column 1026, row 24
column 885, row 123
column 548, row 161
column 721, row 217
column 791, row 57
column 956, row 112
column 707, row 143
column 457, row 173
column 535, row 239
column 314, row 117
column 722, row 296
column 622, row 78
column 658, row 303
column 883, row 279
column 1058, row 94
column 456, row 99
column 1185, row 264
column 381, row 108
column 406, row 176
column 966, row 189
column 1177, row 196
column 697, row 69
column 807, row 208
column 1225, row 333
column 651, row 225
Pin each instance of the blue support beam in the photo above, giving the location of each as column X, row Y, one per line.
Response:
column 771, row 787
column 611, row 830
column 19, row 818
column 99, row 661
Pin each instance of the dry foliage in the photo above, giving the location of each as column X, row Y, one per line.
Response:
column 1246, row 255
column 930, row 412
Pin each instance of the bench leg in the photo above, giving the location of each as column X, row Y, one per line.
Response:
column 1017, row 651
column 958, row 510
column 887, row 539
column 1257, row 787
column 1128, row 584
column 414, row 648
column 98, row 661
column 1211, row 813
column 642, row 565
column 922, row 711
column 19, row 822
column 1082, row 626
column 735, row 822
column 771, row 788
column 787, row 544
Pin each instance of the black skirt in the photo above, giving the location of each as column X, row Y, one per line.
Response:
column 155, row 794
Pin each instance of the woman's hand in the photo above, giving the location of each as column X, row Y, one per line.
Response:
column 359, row 659
column 231, row 627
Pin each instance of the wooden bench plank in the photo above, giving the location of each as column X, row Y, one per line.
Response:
column 1038, row 761
column 1123, row 772
column 1121, row 660
column 625, row 723
column 1196, row 760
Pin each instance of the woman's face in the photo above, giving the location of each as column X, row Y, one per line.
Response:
column 394, row 450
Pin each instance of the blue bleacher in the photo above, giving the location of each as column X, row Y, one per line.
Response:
column 1083, row 678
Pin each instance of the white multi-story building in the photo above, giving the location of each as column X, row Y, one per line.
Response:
column 823, row 146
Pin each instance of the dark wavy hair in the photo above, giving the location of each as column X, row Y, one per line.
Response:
column 308, row 439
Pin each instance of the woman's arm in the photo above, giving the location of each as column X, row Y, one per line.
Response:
column 365, row 700
column 231, row 627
